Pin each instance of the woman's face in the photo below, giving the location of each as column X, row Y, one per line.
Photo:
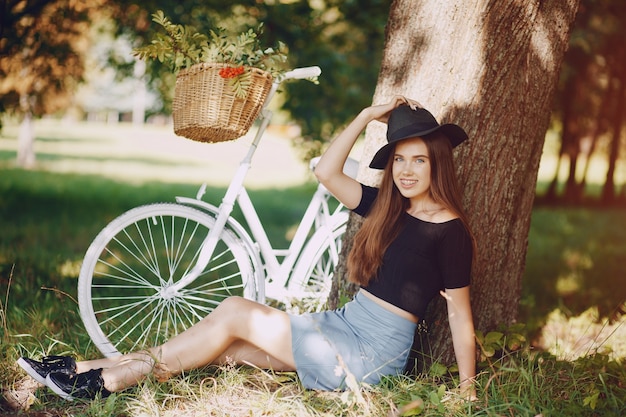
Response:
column 411, row 168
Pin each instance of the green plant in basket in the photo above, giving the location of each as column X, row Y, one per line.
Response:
column 182, row 47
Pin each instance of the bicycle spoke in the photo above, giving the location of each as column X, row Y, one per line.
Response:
column 140, row 339
column 194, row 260
column 138, row 307
column 185, row 313
column 179, row 256
column 143, row 256
column 191, row 313
column 131, row 279
column 129, row 270
column 204, row 300
column 154, row 330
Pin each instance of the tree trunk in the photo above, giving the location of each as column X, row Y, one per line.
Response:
column 140, row 93
column 492, row 67
column 26, row 143
column 570, row 138
column 551, row 194
column 591, row 147
column 608, row 190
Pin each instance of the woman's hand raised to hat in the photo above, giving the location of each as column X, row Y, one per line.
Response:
column 329, row 169
column 381, row 112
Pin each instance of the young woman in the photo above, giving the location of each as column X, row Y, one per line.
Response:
column 414, row 245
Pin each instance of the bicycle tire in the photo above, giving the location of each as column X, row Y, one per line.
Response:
column 313, row 275
column 130, row 263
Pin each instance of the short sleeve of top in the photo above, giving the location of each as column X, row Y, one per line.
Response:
column 424, row 258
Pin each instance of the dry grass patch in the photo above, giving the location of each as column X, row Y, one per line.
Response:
column 241, row 391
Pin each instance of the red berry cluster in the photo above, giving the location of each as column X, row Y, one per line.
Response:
column 231, row 72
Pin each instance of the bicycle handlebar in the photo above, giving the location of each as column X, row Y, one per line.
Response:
column 300, row 73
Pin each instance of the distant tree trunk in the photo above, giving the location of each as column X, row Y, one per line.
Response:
column 573, row 152
column 551, row 193
column 601, row 124
column 591, row 147
column 139, row 96
column 617, row 122
column 570, row 138
column 492, row 67
column 564, row 112
column 26, row 142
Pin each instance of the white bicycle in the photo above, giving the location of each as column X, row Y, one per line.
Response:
column 158, row 268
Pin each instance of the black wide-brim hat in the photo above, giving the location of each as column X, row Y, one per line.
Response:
column 404, row 123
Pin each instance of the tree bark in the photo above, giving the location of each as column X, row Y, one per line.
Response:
column 491, row 67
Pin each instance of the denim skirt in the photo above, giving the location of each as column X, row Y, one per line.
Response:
column 361, row 340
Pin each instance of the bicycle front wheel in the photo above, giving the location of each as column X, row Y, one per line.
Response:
column 124, row 289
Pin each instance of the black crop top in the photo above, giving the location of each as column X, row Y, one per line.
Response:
column 424, row 259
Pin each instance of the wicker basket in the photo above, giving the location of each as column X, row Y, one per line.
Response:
column 206, row 109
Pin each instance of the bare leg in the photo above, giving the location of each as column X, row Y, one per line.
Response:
column 244, row 353
column 246, row 331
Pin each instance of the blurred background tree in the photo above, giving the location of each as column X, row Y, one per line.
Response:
column 42, row 49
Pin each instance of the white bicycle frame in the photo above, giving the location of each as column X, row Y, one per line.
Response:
column 272, row 274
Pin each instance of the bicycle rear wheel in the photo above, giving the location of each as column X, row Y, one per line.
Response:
column 123, row 285
column 313, row 276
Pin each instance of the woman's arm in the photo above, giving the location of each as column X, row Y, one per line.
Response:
column 329, row 169
column 463, row 338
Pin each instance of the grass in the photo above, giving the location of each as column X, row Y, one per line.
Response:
column 575, row 260
column 48, row 218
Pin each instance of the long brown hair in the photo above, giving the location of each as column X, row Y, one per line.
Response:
column 384, row 220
